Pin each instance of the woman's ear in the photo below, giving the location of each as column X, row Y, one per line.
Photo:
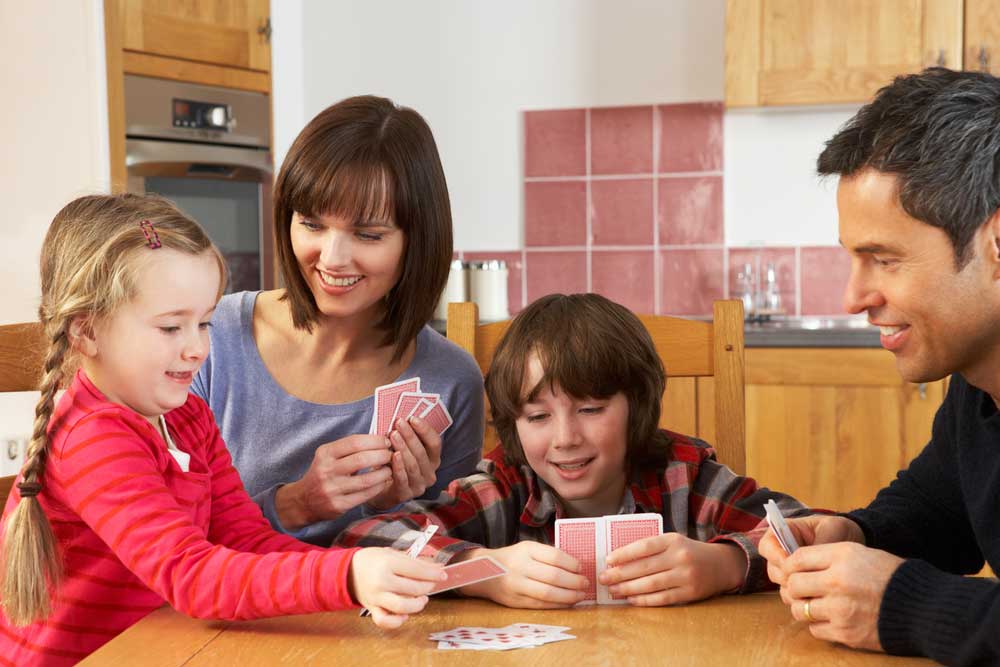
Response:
column 81, row 336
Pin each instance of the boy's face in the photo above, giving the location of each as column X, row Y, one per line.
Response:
column 576, row 445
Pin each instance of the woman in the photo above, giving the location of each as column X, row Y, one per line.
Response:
column 363, row 239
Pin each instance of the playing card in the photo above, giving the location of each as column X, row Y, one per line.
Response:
column 408, row 402
column 437, row 416
column 622, row 530
column 516, row 635
column 780, row 528
column 469, row 572
column 386, row 398
column 419, row 408
column 583, row 540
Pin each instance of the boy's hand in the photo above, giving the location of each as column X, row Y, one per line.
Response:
column 672, row 569
column 808, row 530
column 538, row 577
column 391, row 584
column 416, row 456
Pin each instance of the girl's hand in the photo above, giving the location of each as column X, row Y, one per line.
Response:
column 391, row 584
column 332, row 486
column 672, row 569
column 416, row 456
column 538, row 577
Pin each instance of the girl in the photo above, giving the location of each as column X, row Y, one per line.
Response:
column 128, row 497
column 575, row 389
column 363, row 238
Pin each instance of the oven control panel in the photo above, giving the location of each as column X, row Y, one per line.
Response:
column 202, row 115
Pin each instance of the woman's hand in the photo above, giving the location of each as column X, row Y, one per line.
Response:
column 333, row 484
column 538, row 577
column 391, row 584
column 672, row 569
column 415, row 459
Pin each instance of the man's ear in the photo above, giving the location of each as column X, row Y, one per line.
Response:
column 81, row 335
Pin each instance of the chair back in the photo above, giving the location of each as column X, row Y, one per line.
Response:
column 709, row 353
column 22, row 355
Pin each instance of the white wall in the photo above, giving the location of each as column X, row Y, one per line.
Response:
column 54, row 121
column 470, row 68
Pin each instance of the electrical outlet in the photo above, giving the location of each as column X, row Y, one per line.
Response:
column 12, row 454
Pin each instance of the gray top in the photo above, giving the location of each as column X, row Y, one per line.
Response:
column 272, row 435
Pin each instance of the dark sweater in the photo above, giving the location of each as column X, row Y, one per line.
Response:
column 943, row 514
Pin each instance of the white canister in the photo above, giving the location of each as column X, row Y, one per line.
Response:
column 488, row 288
column 456, row 290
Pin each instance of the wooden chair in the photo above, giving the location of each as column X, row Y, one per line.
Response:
column 22, row 355
column 711, row 353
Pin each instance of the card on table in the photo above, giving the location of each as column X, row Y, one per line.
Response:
column 590, row 540
column 516, row 635
column 469, row 572
column 781, row 530
column 386, row 398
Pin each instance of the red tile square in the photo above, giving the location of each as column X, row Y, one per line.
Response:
column 784, row 264
column 555, row 143
column 689, row 210
column 824, row 275
column 621, row 212
column 563, row 272
column 690, row 137
column 690, row 280
column 515, row 271
column 555, row 213
column 621, row 140
column 625, row 276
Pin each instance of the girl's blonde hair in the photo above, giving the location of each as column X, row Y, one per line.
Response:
column 91, row 258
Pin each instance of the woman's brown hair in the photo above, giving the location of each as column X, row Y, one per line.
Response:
column 367, row 159
column 590, row 347
column 91, row 258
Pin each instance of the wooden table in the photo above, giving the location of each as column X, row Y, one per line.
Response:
column 732, row 630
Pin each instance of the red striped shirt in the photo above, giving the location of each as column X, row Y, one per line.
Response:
column 192, row 539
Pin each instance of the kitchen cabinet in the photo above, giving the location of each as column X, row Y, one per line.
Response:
column 784, row 52
column 982, row 35
column 830, row 426
column 232, row 33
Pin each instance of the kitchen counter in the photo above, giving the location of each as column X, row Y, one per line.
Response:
column 783, row 331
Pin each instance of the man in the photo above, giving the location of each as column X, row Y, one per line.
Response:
column 919, row 209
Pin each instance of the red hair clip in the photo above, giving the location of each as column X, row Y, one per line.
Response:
column 152, row 238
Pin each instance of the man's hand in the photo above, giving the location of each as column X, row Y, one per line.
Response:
column 808, row 530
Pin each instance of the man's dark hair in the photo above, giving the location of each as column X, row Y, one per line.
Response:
column 938, row 133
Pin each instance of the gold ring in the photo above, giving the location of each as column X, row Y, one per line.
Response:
column 805, row 612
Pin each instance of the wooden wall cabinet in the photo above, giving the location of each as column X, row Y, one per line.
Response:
column 829, row 426
column 786, row 52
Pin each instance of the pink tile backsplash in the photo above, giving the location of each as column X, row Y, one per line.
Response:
column 621, row 212
column 555, row 213
column 689, row 210
column 625, row 276
column 825, row 271
column 690, row 280
column 621, row 140
column 690, row 137
column 558, row 271
column 555, row 143
column 784, row 264
column 515, row 273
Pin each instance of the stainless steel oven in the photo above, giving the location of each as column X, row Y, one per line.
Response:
column 208, row 150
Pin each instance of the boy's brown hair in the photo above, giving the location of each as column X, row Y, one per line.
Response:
column 365, row 158
column 590, row 347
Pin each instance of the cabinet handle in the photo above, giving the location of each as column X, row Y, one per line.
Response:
column 984, row 59
column 922, row 391
column 265, row 29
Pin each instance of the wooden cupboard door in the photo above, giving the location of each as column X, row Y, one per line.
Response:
column 781, row 52
column 982, row 36
column 235, row 33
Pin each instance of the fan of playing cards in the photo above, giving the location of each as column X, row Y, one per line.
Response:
column 402, row 400
column 518, row 635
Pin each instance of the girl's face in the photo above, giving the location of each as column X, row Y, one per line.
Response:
column 146, row 354
column 577, row 445
column 349, row 265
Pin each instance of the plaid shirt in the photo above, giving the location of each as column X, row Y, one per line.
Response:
column 501, row 504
